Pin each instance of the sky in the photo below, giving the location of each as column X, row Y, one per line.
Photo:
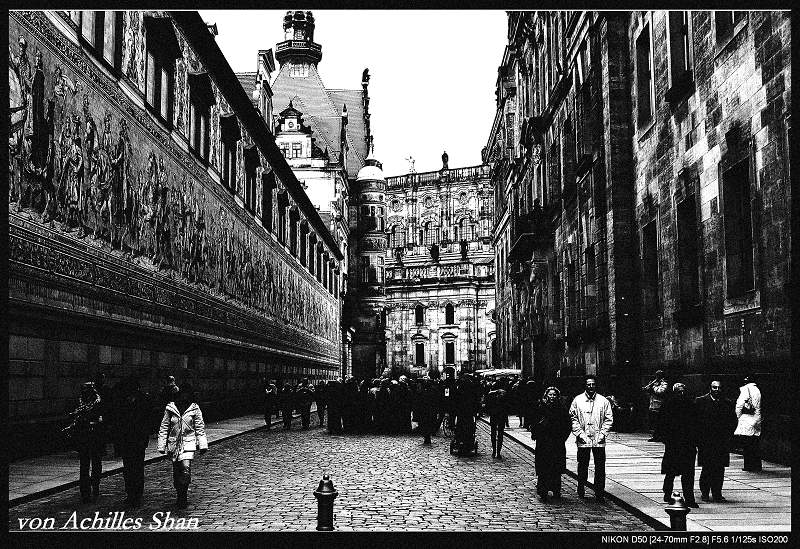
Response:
column 433, row 73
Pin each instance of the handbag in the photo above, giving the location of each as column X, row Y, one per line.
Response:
column 747, row 407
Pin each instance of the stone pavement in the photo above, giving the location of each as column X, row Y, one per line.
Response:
column 35, row 477
column 264, row 480
column 756, row 501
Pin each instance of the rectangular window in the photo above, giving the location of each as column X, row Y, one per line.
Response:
column 110, row 37
column 229, row 165
column 644, row 80
column 738, row 229
column 293, row 237
column 419, row 351
column 160, row 75
column 650, row 269
column 571, row 292
column 267, row 184
column 199, row 127
column 680, row 51
column 297, row 150
column 285, row 150
column 688, row 273
column 556, row 304
column 450, row 352
column 303, row 255
column 311, row 254
column 88, row 26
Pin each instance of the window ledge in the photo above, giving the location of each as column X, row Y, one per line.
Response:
column 681, row 89
column 748, row 302
column 642, row 133
column 723, row 45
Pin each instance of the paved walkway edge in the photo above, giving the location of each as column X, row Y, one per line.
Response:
column 118, row 468
column 620, row 495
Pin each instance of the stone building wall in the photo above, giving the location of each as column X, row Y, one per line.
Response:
column 736, row 113
column 127, row 255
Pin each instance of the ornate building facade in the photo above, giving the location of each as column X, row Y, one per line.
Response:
column 439, row 270
column 153, row 222
column 325, row 136
column 646, row 170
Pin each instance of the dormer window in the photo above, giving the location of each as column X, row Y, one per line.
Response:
column 231, row 134
column 102, row 31
column 201, row 99
column 162, row 50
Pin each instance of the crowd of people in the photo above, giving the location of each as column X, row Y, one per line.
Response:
column 699, row 429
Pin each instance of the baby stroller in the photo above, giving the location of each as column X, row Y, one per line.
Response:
column 464, row 441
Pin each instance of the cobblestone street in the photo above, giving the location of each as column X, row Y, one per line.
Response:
column 264, row 480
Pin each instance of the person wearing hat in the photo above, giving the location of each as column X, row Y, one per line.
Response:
column 748, row 428
column 657, row 390
column 550, row 427
column 680, row 444
column 182, row 433
column 85, row 432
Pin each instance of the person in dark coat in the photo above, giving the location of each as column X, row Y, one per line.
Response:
column 334, row 394
column 428, row 409
column 716, row 422
column 550, row 427
column 270, row 401
column 304, row 397
column 680, row 444
column 467, row 406
column 497, row 408
column 85, row 433
column 321, row 399
column 132, row 429
column 286, row 398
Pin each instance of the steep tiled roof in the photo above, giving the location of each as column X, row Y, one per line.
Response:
column 321, row 109
column 248, row 81
column 356, row 127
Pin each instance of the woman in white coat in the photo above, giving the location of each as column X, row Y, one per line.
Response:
column 748, row 428
column 182, row 433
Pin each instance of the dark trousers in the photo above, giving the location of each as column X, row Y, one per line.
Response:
column 497, row 424
column 321, row 413
column 751, row 452
column 599, row 454
column 305, row 417
column 687, row 484
column 334, row 421
column 90, row 454
column 269, row 410
column 655, row 419
column 711, row 477
column 287, row 418
column 133, row 471
column 181, row 477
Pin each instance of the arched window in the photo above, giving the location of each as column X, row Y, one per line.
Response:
column 419, row 315
column 449, row 314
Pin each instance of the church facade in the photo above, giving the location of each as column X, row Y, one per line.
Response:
column 439, row 270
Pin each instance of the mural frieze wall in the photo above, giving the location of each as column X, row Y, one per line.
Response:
column 89, row 168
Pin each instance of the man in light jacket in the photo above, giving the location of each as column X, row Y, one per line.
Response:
column 591, row 421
